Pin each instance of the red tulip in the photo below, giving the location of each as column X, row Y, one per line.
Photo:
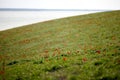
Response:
column 98, row 51
column 84, row 59
column 2, row 72
column 46, row 51
column 64, row 58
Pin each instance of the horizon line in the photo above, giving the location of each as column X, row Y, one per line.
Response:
column 34, row 9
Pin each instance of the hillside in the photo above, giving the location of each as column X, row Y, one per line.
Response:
column 83, row 47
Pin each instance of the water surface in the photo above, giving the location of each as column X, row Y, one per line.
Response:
column 11, row 19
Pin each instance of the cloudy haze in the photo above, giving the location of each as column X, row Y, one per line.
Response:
column 61, row 4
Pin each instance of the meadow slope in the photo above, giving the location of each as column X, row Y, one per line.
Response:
column 83, row 47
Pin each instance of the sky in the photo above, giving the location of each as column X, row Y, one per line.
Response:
column 62, row 4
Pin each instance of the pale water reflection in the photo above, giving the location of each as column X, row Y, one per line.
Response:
column 11, row 19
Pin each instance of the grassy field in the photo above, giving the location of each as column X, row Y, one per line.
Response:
column 83, row 47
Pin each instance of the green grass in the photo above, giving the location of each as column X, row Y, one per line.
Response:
column 83, row 47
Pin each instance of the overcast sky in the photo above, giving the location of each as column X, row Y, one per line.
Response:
column 61, row 4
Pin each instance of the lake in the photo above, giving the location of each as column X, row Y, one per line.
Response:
column 11, row 19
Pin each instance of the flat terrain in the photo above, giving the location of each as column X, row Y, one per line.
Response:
column 83, row 47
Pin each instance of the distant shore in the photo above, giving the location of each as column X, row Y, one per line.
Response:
column 32, row 9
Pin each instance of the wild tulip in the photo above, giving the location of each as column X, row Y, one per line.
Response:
column 2, row 72
column 46, row 51
column 64, row 58
column 84, row 59
column 98, row 51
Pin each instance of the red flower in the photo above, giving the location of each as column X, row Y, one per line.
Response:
column 2, row 72
column 98, row 51
column 46, row 51
column 84, row 59
column 64, row 58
